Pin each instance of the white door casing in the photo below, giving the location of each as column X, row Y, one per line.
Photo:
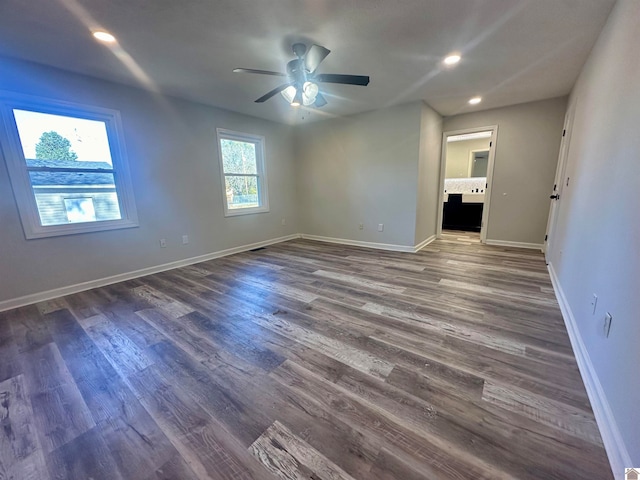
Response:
column 487, row 191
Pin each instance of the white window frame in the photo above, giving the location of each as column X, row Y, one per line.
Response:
column 19, row 175
column 261, row 175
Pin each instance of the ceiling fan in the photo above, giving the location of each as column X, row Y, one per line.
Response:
column 302, row 85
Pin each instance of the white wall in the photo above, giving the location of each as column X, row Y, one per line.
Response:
column 173, row 158
column 360, row 169
column 526, row 156
column 458, row 154
column 597, row 243
column 428, row 173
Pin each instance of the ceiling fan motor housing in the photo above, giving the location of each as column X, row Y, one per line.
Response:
column 299, row 49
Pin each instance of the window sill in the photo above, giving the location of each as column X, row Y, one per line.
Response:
column 245, row 211
column 61, row 230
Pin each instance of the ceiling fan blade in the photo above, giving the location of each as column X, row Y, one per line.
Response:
column 362, row 80
column 272, row 93
column 320, row 101
column 314, row 57
column 260, row 72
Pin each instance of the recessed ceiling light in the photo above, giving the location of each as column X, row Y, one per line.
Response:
column 104, row 36
column 475, row 100
column 452, row 59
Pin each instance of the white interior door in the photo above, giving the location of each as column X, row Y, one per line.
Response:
column 559, row 182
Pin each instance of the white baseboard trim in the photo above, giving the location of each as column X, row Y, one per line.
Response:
column 378, row 246
column 424, row 243
column 617, row 452
column 506, row 243
column 101, row 282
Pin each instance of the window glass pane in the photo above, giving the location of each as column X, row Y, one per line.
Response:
column 238, row 157
column 69, row 197
column 51, row 139
column 242, row 192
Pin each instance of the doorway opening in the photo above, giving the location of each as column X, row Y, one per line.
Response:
column 466, row 172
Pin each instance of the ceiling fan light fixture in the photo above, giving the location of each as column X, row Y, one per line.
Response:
column 309, row 93
column 297, row 100
column 289, row 93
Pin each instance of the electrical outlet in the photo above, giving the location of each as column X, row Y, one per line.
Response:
column 185, row 239
column 594, row 303
column 284, row 221
column 381, row 227
column 163, row 243
column 361, row 226
column 607, row 324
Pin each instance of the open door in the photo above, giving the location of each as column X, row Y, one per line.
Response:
column 466, row 172
column 559, row 182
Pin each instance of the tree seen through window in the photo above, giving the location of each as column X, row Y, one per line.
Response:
column 53, row 146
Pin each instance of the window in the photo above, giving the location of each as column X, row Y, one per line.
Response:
column 67, row 166
column 244, row 180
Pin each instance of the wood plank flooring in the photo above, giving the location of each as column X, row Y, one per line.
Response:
column 302, row 360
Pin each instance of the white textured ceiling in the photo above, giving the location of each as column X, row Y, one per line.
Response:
column 513, row 51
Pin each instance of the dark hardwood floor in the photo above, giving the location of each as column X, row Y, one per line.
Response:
column 302, row 360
